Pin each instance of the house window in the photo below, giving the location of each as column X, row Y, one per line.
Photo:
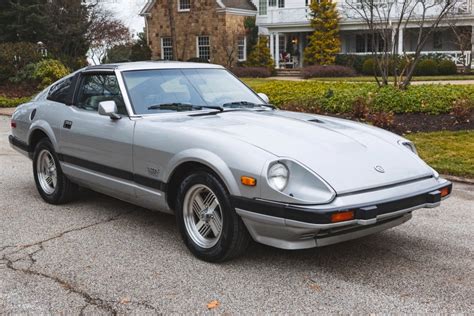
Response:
column 262, row 7
column 204, row 47
column 242, row 48
column 184, row 5
column 167, row 48
column 437, row 40
column 274, row 3
column 360, row 43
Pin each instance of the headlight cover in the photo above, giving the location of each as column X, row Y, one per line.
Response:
column 291, row 182
column 278, row 175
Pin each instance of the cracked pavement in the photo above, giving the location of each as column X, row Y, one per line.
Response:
column 100, row 256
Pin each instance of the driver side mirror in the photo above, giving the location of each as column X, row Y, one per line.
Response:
column 264, row 97
column 109, row 108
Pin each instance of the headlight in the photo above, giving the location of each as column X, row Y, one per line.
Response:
column 278, row 175
column 409, row 145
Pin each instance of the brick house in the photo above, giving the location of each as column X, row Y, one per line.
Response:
column 206, row 29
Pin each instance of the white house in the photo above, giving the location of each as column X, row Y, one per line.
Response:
column 288, row 25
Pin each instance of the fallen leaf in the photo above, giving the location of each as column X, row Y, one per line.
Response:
column 125, row 300
column 213, row 304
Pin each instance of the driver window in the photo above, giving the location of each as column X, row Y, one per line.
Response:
column 96, row 88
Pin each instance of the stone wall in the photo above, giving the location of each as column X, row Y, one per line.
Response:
column 202, row 20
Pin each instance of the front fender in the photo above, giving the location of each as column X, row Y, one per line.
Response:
column 208, row 159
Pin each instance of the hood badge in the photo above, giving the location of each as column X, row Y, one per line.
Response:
column 379, row 169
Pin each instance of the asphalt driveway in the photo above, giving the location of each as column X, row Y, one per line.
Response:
column 102, row 256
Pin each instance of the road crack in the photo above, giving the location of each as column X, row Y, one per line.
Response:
column 27, row 253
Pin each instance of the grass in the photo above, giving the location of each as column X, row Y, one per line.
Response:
column 448, row 152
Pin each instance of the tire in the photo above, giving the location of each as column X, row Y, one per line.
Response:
column 202, row 240
column 58, row 191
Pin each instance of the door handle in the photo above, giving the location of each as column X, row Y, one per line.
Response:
column 67, row 124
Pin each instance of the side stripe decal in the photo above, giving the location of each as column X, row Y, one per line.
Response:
column 114, row 172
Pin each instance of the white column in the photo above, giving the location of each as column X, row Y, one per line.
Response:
column 400, row 41
column 272, row 45
column 472, row 47
column 277, row 50
column 301, row 49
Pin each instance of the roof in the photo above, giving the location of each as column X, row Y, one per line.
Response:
column 239, row 4
column 245, row 5
column 149, row 65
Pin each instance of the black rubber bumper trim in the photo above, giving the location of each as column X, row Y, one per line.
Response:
column 315, row 216
column 19, row 144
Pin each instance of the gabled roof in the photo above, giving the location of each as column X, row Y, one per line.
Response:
column 244, row 5
column 239, row 4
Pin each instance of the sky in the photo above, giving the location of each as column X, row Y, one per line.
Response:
column 128, row 12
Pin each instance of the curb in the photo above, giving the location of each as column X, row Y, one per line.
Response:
column 458, row 179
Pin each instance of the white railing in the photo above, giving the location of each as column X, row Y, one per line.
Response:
column 460, row 58
column 288, row 15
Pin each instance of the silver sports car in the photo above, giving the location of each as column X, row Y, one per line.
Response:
column 192, row 140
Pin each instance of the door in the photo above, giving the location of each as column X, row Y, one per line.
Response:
column 97, row 150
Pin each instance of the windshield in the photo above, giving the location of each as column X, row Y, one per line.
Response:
column 152, row 91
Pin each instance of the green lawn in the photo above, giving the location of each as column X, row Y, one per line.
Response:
column 448, row 152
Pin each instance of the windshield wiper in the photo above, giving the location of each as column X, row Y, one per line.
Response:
column 179, row 107
column 246, row 104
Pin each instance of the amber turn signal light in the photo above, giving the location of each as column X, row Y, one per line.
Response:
column 248, row 181
column 342, row 216
column 444, row 192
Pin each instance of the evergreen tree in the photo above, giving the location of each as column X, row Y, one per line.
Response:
column 260, row 55
column 22, row 20
column 324, row 43
column 140, row 50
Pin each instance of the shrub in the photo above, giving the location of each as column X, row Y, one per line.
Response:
column 426, row 67
column 198, row 60
column 260, row 55
column 303, row 105
column 15, row 56
column 251, row 72
column 12, row 102
column 353, row 61
column 462, row 110
column 327, row 71
column 338, row 97
column 447, row 67
column 48, row 71
column 360, row 108
column 382, row 119
column 369, row 66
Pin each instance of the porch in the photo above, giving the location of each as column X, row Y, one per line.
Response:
column 287, row 48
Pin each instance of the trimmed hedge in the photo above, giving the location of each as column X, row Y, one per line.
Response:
column 338, row 97
column 251, row 72
column 12, row 102
column 318, row 71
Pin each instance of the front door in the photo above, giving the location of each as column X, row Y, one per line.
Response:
column 97, row 150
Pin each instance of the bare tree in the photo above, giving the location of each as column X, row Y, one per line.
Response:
column 229, row 42
column 461, row 36
column 105, row 32
column 385, row 19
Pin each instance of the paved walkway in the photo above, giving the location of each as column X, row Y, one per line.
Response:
column 7, row 111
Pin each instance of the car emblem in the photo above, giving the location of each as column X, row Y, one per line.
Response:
column 379, row 169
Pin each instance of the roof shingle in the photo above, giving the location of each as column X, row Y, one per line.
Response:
column 239, row 4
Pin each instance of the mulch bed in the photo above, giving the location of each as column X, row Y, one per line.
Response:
column 11, row 90
column 420, row 122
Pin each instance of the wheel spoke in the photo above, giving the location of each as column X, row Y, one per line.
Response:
column 213, row 205
column 216, row 224
column 203, row 228
column 49, row 180
column 209, row 199
column 197, row 209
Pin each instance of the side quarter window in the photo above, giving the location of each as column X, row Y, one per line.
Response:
column 96, row 88
column 62, row 91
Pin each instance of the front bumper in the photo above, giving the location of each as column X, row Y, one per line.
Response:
column 289, row 226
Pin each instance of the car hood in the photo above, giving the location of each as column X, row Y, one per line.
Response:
column 344, row 153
